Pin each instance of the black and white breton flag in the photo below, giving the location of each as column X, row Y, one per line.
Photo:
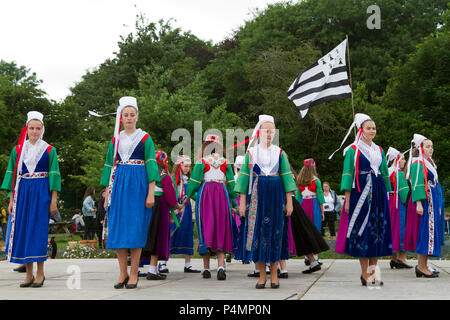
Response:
column 323, row 81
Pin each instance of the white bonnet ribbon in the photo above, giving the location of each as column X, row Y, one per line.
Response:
column 343, row 141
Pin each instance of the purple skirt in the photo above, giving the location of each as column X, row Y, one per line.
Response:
column 291, row 244
column 412, row 227
column 215, row 218
column 342, row 232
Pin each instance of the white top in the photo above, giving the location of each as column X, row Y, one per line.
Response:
column 329, row 202
column 127, row 144
column 214, row 174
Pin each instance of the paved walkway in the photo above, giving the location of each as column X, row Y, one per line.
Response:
column 338, row 279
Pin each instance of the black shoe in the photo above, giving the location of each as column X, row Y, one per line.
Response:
column 38, row 285
column 27, row 284
column 21, row 269
column 191, row 270
column 120, row 285
column 254, row 274
column 320, row 263
column 158, row 276
column 307, row 262
column 228, row 258
column 274, row 285
column 142, row 274
column 395, row 264
column 420, row 274
column 403, row 265
column 163, row 270
column 363, row 281
column 221, row 274
column 283, row 275
column 132, row 286
column 313, row 269
column 206, row 274
column 260, row 285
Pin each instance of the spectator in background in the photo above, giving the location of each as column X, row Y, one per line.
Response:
column 100, row 219
column 77, row 220
column 89, row 213
column 332, row 207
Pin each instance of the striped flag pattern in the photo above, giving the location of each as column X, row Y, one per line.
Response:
column 325, row 80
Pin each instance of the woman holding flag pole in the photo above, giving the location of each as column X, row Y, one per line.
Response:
column 129, row 173
column 34, row 180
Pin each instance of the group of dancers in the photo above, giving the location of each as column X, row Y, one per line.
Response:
column 259, row 211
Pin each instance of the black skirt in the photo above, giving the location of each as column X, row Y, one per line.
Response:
column 152, row 235
column 307, row 238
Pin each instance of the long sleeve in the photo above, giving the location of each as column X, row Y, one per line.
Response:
column 150, row 161
column 298, row 195
column 286, row 174
column 319, row 192
column 169, row 191
column 107, row 167
column 385, row 172
column 348, row 170
column 337, row 202
column 417, row 193
column 231, row 184
column 196, row 179
column 241, row 185
column 9, row 175
column 54, row 173
column 403, row 188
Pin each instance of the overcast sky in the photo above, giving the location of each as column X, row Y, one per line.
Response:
column 60, row 40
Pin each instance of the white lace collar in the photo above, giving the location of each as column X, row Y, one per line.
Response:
column 127, row 144
column 33, row 153
column 432, row 168
column 372, row 153
column 266, row 159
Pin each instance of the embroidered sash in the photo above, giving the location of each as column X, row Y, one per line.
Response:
column 367, row 192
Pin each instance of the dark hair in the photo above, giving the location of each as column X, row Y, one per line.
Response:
column 100, row 194
column 78, row 211
column 90, row 191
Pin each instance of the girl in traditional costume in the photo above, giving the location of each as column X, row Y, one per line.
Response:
column 307, row 238
column 397, row 207
column 311, row 193
column 182, row 238
column 33, row 180
column 426, row 196
column 266, row 185
column 365, row 181
column 213, row 180
column 130, row 173
column 158, row 236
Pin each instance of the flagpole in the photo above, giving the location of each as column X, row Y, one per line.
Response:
column 350, row 76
